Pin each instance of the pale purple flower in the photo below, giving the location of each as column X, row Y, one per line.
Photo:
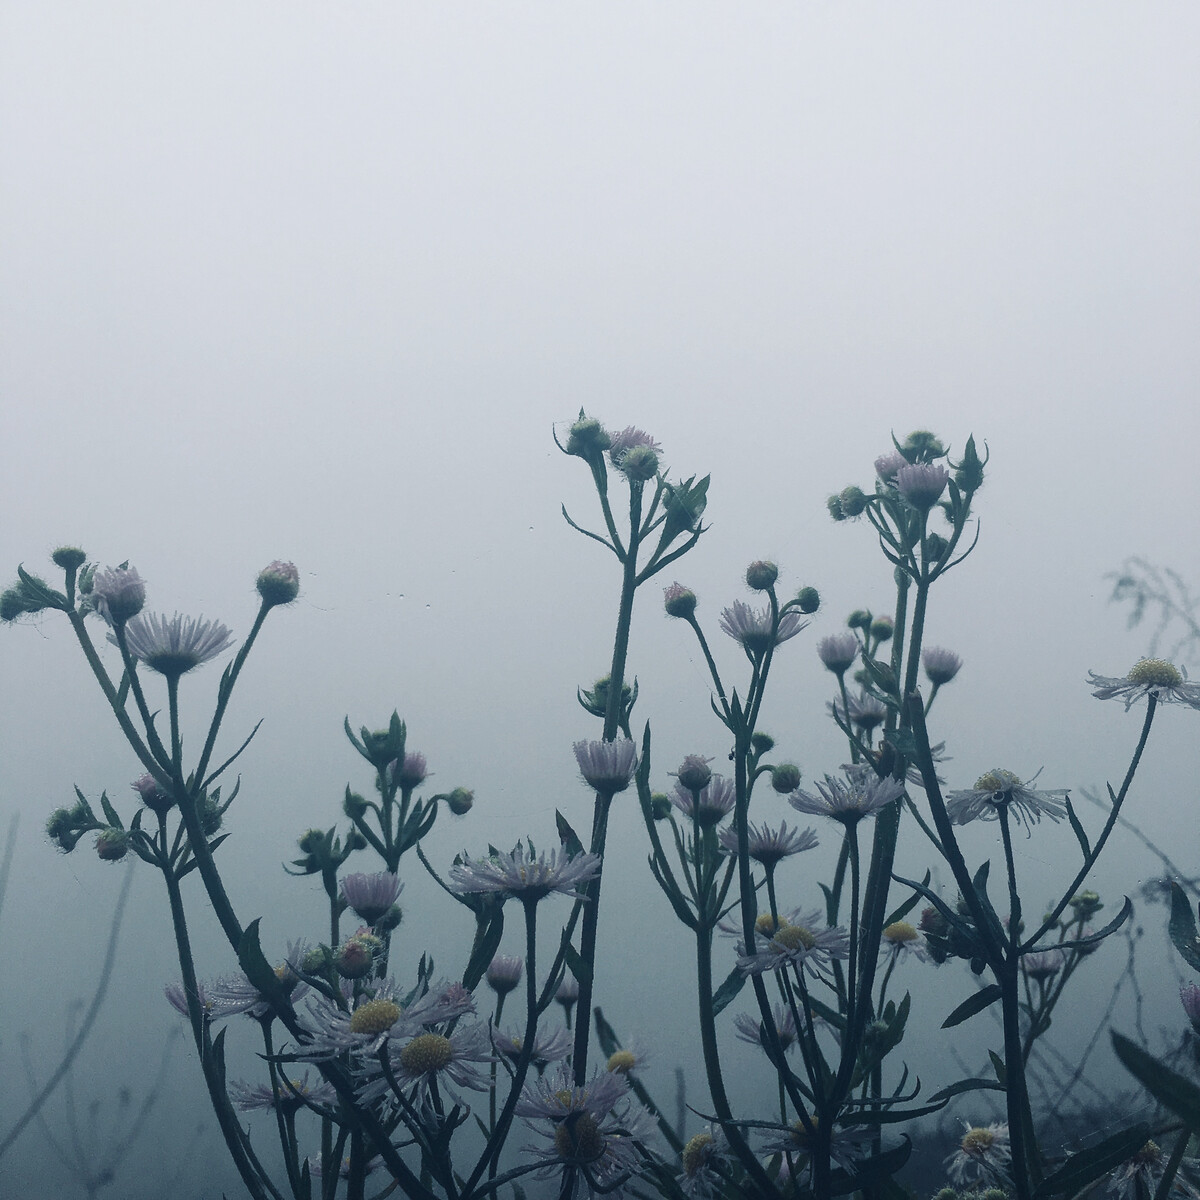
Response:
column 862, row 795
column 799, row 940
column 867, row 712
column 983, row 1156
column 838, row 652
column 754, row 629
column 702, row 1156
column 886, row 465
column 750, row 1029
column 716, row 800
column 1155, row 677
column 794, row 1142
column 371, row 895
column 567, row 992
column 118, row 594
column 235, row 993
column 635, row 453
column 177, row 998
column 1041, row 964
column 504, row 973
column 174, row 647
column 278, row 583
column 294, row 1094
column 941, row 665
column 901, row 939
column 410, row 772
column 455, row 1056
column 769, row 846
column 607, row 766
column 679, row 601
column 547, row 1047
column 693, row 773
column 1139, row 1176
column 922, row 484
column 999, row 789
column 527, row 878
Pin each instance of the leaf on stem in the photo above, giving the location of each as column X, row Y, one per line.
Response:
column 1088, row 1165
column 972, row 1005
column 734, row 982
column 1182, row 928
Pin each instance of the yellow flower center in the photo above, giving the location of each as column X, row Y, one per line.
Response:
column 793, row 937
column 695, row 1153
column 428, row 1052
column 977, row 1142
column 622, row 1062
column 578, row 1139
column 766, row 924
column 899, row 932
column 801, row 1138
column 1154, row 672
column 376, row 1016
column 997, row 780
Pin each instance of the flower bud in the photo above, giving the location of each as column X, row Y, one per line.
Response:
column 968, row 473
column 460, row 801
column 639, row 463
column 59, row 824
column 859, row 619
column 762, row 743
column 761, row 575
column 922, row 446
column 353, row 806
column 587, row 439
column 785, row 778
column 153, row 797
column 834, row 504
column 941, row 665
column 882, row 629
column 660, row 806
column 278, row 583
column 354, row 959
column 69, row 558
column 12, row 605
column 390, row 919
column 317, row 960
column 112, row 844
column 118, row 594
column 853, row 500
column 504, row 973
column 679, row 601
column 808, row 600
column 935, row 547
column 694, row 773
column 209, row 812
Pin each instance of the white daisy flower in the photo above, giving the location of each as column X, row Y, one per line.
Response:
column 999, row 789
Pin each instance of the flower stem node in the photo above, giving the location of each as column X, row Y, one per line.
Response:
column 278, row 583
column 460, row 801
column 761, row 575
column 112, row 844
column 679, row 601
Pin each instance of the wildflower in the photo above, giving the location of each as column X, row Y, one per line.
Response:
column 177, row 998
column 693, row 773
column 112, row 844
column 940, row 665
column 1002, row 790
column 278, row 583
column 755, row 629
column 567, row 993
column 627, row 1059
column 174, row 647
column 233, row 994
column 529, row 879
column 982, row 1156
column 547, row 1047
column 770, row 846
column 460, row 801
column 838, row 652
column 864, row 711
column 371, row 895
column 801, row 943
column 796, row 1140
column 587, row 438
column 922, row 484
column 153, row 797
column 293, row 1095
column 862, row 795
column 886, row 465
column 1148, row 677
column 902, row 940
column 118, row 594
column 427, row 1056
column 1139, row 1175
column 355, row 957
column 1189, row 996
column 701, row 1159
column 409, row 772
column 751, row 1030
column 1041, row 964
column 607, row 766
column 709, row 804
column 679, row 601
column 504, row 973
column 634, row 453
column 761, row 575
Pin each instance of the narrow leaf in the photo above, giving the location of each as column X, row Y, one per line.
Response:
column 1170, row 1089
column 734, row 982
column 1088, row 1165
column 972, row 1005
column 1182, row 928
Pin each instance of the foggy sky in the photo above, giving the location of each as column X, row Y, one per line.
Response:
column 316, row 282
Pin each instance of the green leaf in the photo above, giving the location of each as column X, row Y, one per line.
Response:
column 734, row 982
column 871, row 1172
column 109, row 811
column 578, row 967
column 485, row 949
column 1080, row 836
column 973, row 1004
column 567, row 835
column 606, row 1035
column 999, row 1068
column 1170, row 1089
column 260, row 972
column 1088, row 1165
column 1182, row 928
column 900, row 913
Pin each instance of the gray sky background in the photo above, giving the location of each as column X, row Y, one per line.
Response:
column 317, row 281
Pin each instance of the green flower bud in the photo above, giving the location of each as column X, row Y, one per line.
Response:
column 808, row 599
column 860, row 618
column 922, row 446
column 209, row 812
column 12, row 605
column 69, row 558
column 588, row 439
column 935, row 547
column 785, row 778
column 353, row 806
column 854, row 501
column 660, row 806
column 112, row 844
column 968, row 472
column 460, row 801
column 762, row 743
column 317, row 961
column 761, row 575
column 679, row 601
column 58, row 824
column 313, row 841
column 390, row 919
column 834, row 504
column 639, row 463
column 278, row 583
column 882, row 629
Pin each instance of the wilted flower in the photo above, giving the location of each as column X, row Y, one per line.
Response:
column 922, row 484
column 769, row 846
column 607, row 766
column 940, row 665
column 862, row 795
column 1000, row 789
column 527, row 878
column 1148, row 677
column 982, row 1156
column 371, row 895
column 755, row 629
column 118, row 594
column 838, row 652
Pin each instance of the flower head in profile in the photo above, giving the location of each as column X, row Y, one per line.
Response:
column 408, row 772
column 999, row 790
column 901, row 939
column 292, row 1096
column 1042, row 964
column 523, row 876
column 607, row 766
column 838, row 652
column 372, row 894
column 702, row 1159
column 983, row 1156
column 795, row 1141
column 798, row 940
column 278, row 583
column 922, row 484
column 750, row 1029
column 174, row 647
column 1147, row 677
column 504, row 973
column 548, row 1046
column 755, row 628
column 1139, row 1175
column 864, row 711
column 634, row 453
column 862, row 794
column 770, row 846
column 709, row 804
column 118, row 594
column 941, row 665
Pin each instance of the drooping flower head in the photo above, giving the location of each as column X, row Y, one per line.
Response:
column 941, row 665
column 999, row 790
column 118, row 594
column 754, row 628
column 862, row 794
column 176, row 646
column 1147, row 677
column 607, row 766
column 524, row 877
column 769, row 846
